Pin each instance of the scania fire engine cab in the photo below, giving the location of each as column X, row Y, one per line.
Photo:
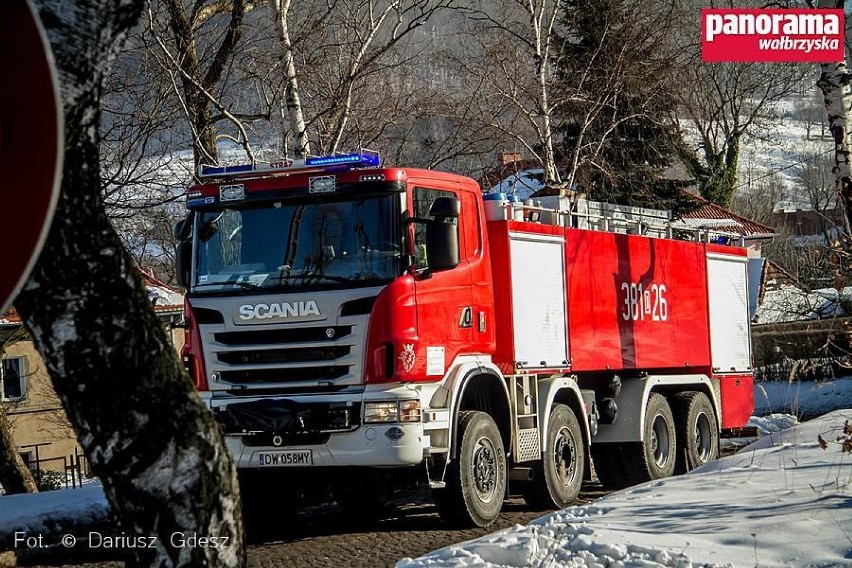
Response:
column 349, row 322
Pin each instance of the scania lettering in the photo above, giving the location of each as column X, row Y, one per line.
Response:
column 353, row 327
column 279, row 310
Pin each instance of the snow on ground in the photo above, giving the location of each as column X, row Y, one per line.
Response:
column 50, row 511
column 782, row 501
column 802, row 398
column 772, row 423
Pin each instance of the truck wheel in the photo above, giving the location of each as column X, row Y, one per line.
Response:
column 655, row 457
column 476, row 480
column 697, row 431
column 557, row 478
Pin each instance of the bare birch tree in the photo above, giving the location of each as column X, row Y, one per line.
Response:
column 834, row 83
column 199, row 64
column 343, row 45
column 518, row 45
column 295, row 118
column 157, row 449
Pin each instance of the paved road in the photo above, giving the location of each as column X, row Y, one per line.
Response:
column 325, row 537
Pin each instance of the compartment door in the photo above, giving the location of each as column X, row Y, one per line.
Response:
column 538, row 300
column 730, row 333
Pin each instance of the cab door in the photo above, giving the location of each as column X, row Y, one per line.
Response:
column 446, row 316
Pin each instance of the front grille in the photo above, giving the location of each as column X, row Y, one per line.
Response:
column 278, row 336
column 297, row 355
column 281, row 356
column 326, row 373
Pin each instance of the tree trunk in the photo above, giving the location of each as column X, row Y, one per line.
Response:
column 834, row 83
column 155, row 446
column 15, row 476
column 296, row 118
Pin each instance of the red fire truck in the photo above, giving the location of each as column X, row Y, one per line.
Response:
column 351, row 325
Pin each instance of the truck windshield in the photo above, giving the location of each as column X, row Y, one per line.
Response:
column 294, row 244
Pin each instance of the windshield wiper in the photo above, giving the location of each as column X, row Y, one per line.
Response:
column 244, row 284
column 281, row 277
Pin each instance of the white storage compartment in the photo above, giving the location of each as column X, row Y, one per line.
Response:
column 730, row 339
column 538, row 300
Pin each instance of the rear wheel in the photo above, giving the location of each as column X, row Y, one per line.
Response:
column 557, row 478
column 623, row 465
column 476, row 480
column 697, row 431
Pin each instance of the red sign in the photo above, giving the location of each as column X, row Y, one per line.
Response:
column 30, row 144
column 795, row 35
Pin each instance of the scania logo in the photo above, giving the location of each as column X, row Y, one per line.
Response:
column 279, row 310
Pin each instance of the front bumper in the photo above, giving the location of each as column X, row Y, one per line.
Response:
column 330, row 426
column 376, row 445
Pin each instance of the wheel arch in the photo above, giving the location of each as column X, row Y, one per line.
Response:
column 483, row 389
column 633, row 400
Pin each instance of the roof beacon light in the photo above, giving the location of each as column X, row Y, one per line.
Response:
column 363, row 159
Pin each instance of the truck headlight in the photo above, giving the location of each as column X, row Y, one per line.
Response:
column 409, row 411
column 392, row 411
column 381, row 412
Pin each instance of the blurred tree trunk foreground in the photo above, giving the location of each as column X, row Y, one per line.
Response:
column 157, row 449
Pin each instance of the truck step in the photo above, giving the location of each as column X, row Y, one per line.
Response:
column 437, row 484
column 439, row 450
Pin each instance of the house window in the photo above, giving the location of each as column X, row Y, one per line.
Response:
column 13, row 385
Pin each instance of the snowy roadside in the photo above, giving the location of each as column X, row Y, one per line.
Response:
column 51, row 513
column 782, row 501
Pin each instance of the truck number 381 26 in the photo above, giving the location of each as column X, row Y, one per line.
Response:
column 644, row 303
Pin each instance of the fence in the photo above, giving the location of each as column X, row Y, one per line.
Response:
column 807, row 350
column 58, row 472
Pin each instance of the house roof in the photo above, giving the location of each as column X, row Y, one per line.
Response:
column 709, row 215
column 510, row 172
column 164, row 298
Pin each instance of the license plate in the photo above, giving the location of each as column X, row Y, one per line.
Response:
column 284, row 458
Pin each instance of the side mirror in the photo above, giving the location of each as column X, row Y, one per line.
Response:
column 442, row 234
column 183, row 261
column 183, row 251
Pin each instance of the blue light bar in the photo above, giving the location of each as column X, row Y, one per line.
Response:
column 364, row 158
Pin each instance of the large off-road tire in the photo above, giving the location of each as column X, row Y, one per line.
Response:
column 632, row 463
column 476, row 479
column 697, row 430
column 557, row 478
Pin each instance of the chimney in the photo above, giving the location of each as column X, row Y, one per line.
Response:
column 507, row 158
